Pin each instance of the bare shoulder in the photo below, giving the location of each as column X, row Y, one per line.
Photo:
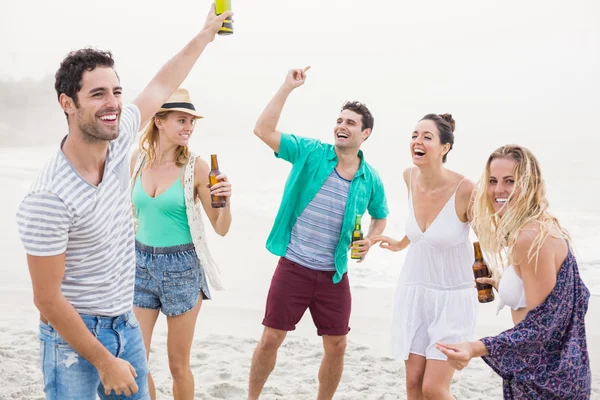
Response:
column 552, row 246
column 527, row 235
column 466, row 188
column 406, row 175
column 525, row 240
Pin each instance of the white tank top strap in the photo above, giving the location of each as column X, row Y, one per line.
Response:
column 457, row 186
column 410, row 181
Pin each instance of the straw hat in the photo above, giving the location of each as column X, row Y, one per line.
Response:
column 180, row 101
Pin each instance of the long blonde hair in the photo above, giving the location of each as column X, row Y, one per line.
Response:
column 149, row 142
column 527, row 203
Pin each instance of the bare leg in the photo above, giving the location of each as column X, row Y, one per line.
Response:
column 179, row 345
column 263, row 360
column 332, row 365
column 437, row 379
column 147, row 319
column 415, row 370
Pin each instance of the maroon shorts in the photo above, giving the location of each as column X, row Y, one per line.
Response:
column 295, row 288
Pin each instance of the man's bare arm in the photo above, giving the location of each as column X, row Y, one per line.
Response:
column 46, row 277
column 266, row 126
column 376, row 227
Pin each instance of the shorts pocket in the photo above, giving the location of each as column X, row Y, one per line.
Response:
column 142, row 277
column 182, row 288
column 181, row 278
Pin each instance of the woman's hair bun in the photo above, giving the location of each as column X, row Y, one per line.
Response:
column 448, row 118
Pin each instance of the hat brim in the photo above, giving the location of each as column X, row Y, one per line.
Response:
column 185, row 110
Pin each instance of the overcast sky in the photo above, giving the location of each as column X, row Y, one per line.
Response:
column 524, row 71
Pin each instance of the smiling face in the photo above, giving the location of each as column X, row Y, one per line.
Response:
column 501, row 183
column 425, row 145
column 177, row 127
column 348, row 132
column 98, row 107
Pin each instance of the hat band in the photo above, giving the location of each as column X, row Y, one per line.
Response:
column 189, row 106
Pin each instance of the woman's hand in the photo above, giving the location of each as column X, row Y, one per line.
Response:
column 386, row 242
column 493, row 281
column 221, row 188
column 458, row 355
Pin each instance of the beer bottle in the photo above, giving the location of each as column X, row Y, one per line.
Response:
column 356, row 235
column 485, row 293
column 220, row 7
column 215, row 201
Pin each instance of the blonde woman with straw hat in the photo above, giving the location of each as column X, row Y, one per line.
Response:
column 169, row 184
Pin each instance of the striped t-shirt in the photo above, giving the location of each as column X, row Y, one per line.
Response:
column 93, row 224
column 316, row 233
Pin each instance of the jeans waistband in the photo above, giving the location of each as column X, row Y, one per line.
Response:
column 98, row 321
column 164, row 250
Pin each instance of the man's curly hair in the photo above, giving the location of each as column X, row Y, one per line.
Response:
column 69, row 75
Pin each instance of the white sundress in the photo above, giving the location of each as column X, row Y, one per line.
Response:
column 436, row 299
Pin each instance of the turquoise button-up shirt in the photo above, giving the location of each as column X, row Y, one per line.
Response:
column 313, row 161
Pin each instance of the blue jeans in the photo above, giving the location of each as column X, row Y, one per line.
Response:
column 69, row 376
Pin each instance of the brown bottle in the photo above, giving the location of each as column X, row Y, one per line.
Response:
column 485, row 292
column 215, row 201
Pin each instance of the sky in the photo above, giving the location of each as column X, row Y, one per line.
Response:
column 509, row 71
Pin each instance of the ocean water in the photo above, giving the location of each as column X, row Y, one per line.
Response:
column 258, row 179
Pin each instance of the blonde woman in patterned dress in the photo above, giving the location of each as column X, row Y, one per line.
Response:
column 545, row 355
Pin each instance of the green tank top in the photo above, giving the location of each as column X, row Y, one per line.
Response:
column 162, row 220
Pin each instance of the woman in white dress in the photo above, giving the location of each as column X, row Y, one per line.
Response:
column 435, row 299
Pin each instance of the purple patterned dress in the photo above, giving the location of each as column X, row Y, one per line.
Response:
column 545, row 356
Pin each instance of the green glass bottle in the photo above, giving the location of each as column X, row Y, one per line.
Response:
column 356, row 235
column 221, row 6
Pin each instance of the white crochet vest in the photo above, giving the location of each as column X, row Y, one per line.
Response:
column 194, row 216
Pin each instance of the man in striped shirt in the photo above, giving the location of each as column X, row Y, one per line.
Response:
column 77, row 229
column 329, row 185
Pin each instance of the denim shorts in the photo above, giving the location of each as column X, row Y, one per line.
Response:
column 168, row 278
column 69, row 376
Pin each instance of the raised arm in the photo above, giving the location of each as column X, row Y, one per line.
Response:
column 174, row 72
column 266, row 126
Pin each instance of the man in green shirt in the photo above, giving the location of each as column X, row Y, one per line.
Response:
column 328, row 186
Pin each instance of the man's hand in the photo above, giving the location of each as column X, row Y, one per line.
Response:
column 295, row 78
column 214, row 22
column 118, row 375
column 363, row 247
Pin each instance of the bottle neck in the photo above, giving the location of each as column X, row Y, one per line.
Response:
column 214, row 164
column 478, row 254
column 357, row 224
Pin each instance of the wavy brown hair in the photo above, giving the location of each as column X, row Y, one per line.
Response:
column 527, row 203
column 149, row 141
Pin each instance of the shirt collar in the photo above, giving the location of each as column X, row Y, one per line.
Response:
column 361, row 169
